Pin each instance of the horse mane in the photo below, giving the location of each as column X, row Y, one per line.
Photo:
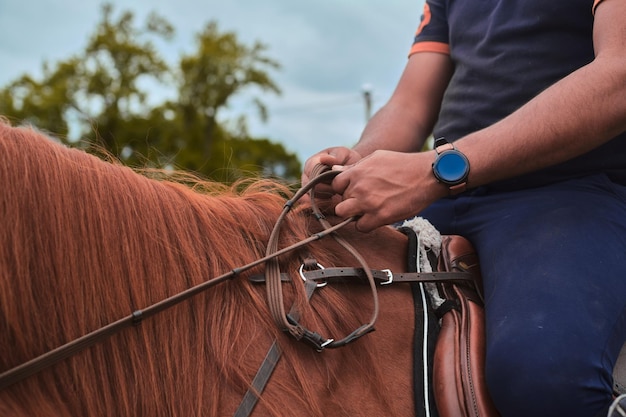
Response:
column 84, row 242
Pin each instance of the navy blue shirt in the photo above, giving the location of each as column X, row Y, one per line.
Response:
column 505, row 52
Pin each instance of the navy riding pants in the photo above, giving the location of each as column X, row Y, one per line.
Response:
column 553, row 261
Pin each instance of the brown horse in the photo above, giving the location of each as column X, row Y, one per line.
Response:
column 84, row 242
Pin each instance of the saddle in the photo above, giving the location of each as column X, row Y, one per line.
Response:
column 458, row 378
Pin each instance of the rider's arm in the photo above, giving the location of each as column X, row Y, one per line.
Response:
column 575, row 115
column 405, row 121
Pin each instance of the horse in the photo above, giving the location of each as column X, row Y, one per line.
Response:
column 85, row 241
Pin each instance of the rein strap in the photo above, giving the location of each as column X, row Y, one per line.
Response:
column 288, row 323
column 41, row 362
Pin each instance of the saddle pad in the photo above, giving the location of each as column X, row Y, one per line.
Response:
column 619, row 373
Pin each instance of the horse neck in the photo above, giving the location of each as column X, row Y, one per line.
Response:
column 85, row 243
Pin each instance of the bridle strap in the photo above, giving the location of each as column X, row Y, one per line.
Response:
column 260, row 380
column 273, row 276
column 41, row 362
column 381, row 276
column 265, row 371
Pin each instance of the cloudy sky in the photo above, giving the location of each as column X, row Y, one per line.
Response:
column 330, row 50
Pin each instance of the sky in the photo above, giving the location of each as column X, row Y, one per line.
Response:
column 330, row 52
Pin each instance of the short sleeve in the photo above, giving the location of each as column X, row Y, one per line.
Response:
column 432, row 33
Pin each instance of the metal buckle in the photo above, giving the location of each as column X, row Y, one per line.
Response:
column 307, row 336
column 389, row 277
column 301, row 272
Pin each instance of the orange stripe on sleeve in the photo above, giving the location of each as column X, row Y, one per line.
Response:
column 440, row 47
column 425, row 19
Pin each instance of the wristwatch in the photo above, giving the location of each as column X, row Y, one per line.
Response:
column 451, row 167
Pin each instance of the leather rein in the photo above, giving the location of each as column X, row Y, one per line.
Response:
column 273, row 278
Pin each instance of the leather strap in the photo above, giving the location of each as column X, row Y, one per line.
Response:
column 37, row 364
column 320, row 173
column 382, row 277
column 260, row 381
column 267, row 367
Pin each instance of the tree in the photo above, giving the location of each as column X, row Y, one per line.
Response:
column 45, row 103
column 101, row 95
column 97, row 90
column 117, row 58
column 220, row 69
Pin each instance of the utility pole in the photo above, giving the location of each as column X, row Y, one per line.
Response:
column 367, row 96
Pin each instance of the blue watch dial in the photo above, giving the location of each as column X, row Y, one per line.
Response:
column 451, row 167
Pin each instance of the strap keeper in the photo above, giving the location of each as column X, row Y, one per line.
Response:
column 137, row 317
column 318, row 216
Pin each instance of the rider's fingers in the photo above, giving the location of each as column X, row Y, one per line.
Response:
column 342, row 181
column 348, row 207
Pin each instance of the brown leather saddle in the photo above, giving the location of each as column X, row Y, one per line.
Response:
column 459, row 358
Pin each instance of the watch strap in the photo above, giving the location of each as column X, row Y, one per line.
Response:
column 441, row 144
column 447, row 146
column 458, row 189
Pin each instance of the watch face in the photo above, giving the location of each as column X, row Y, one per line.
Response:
column 451, row 167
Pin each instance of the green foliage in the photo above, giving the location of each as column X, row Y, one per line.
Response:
column 46, row 103
column 247, row 156
column 100, row 97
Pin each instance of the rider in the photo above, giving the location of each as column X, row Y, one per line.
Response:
column 532, row 95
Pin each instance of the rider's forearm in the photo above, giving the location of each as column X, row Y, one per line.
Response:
column 574, row 116
column 389, row 130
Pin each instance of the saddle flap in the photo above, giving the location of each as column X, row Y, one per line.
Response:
column 459, row 360
column 458, row 254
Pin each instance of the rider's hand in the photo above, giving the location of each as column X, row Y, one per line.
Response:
column 331, row 156
column 386, row 187
column 325, row 197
